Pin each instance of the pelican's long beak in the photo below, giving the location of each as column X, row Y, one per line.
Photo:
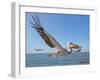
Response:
column 75, row 46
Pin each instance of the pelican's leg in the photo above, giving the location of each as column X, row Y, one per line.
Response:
column 53, row 54
column 50, row 54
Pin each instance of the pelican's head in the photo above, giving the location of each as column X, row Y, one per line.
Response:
column 74, row 46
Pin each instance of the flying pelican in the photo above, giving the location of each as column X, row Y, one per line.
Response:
column 38, row 49
column 50, row 40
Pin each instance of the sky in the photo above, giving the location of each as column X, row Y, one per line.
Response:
column 64, row 28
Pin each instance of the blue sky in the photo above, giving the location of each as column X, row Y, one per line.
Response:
column 63, row 27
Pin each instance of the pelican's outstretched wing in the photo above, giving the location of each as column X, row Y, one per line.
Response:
column 36, row 24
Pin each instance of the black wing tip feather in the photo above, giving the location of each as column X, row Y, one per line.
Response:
column 36, row 26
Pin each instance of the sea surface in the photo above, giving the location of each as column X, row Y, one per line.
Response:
column 42, row 59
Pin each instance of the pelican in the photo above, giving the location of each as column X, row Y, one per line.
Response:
column 38, row 49
column 50, row 40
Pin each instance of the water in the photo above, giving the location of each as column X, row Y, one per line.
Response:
column 42, row 59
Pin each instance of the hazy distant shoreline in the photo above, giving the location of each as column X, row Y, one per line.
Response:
column 42, row 59
column 48, row 53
